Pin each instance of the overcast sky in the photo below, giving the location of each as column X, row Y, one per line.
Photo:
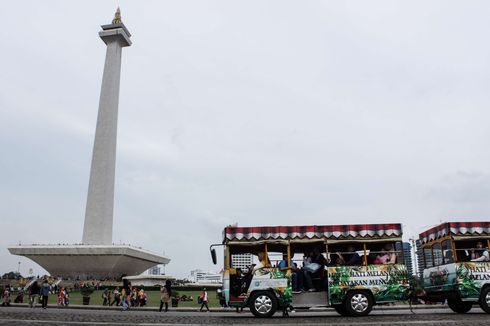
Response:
column 255, row 112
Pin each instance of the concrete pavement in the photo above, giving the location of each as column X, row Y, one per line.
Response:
column 68, row 316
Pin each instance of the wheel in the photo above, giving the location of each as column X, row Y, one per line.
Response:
column 485, row 299
column 341, row 310
column 458, row 306
column 358, row 303
column 263, row 304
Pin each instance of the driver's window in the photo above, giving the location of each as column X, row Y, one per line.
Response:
column 244, row 258
column 241, row 261
column 245, row 261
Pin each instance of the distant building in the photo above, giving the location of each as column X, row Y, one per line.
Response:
column 198, row 276
column 242, row 261
column 156, row 270
column 149, row 280
column 420, row 258
column 407, row 256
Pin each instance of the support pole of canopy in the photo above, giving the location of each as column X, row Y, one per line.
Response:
column 453, row 247
column 326, row 252
column 268, row 261
column 364, row 258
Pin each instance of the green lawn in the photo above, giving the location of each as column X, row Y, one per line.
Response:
column 153, row 298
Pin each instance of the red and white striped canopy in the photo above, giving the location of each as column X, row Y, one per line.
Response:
column 312, row 232
column 455, row 228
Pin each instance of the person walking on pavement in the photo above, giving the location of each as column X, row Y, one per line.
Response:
column 6, row 296
column 33, row 294
column 67, row 297
column 105, row 297
column 204, row 298
column 166, row 292
column 61, row 297
column 45, row 288
column 117, row 298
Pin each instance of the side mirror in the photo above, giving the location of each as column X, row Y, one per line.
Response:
column 213, row 255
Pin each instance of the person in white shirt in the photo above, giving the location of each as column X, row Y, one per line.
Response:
column 262, row 266
column 480, row 254
column 204, row 299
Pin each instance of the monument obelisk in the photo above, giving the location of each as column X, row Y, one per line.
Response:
column 97, row 228
column 97, row 257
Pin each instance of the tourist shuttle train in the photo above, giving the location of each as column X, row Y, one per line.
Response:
column 351, row 268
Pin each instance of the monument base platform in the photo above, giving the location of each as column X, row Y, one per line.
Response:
column 148, row 280
column 90, row 261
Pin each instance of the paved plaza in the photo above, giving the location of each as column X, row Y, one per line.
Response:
column 56, row 316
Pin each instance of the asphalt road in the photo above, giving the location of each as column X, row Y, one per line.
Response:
column 65, row 316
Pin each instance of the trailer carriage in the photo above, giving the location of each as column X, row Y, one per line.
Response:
column 456, row 262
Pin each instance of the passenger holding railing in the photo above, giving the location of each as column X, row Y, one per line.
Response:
column 352, row 258
column 297, row 278
column 314, row 268
column 283, row 266
column 386, row 256
column 480, row 254
column 334, row 260
column 319, row 259
column 308, row 266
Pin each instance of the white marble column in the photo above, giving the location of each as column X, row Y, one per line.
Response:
column 100, row 199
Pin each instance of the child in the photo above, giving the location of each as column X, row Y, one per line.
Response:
column 61, row 297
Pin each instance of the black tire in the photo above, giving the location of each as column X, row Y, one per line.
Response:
column 458, row 306
column 358, row 303
column 341, row 310
column 263, row 304
column 485, row 299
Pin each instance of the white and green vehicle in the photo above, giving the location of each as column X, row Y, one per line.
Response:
column 348, row 267
column 457, row 264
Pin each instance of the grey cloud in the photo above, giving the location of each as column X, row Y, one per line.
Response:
column 253, row 112
column 464, row 188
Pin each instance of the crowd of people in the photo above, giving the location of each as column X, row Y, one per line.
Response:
column 125, row 297
column 37, row 294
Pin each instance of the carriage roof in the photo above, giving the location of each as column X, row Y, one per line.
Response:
column 455, row 229
column 312, row 232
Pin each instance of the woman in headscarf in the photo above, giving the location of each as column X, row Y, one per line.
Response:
column 165, row 293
